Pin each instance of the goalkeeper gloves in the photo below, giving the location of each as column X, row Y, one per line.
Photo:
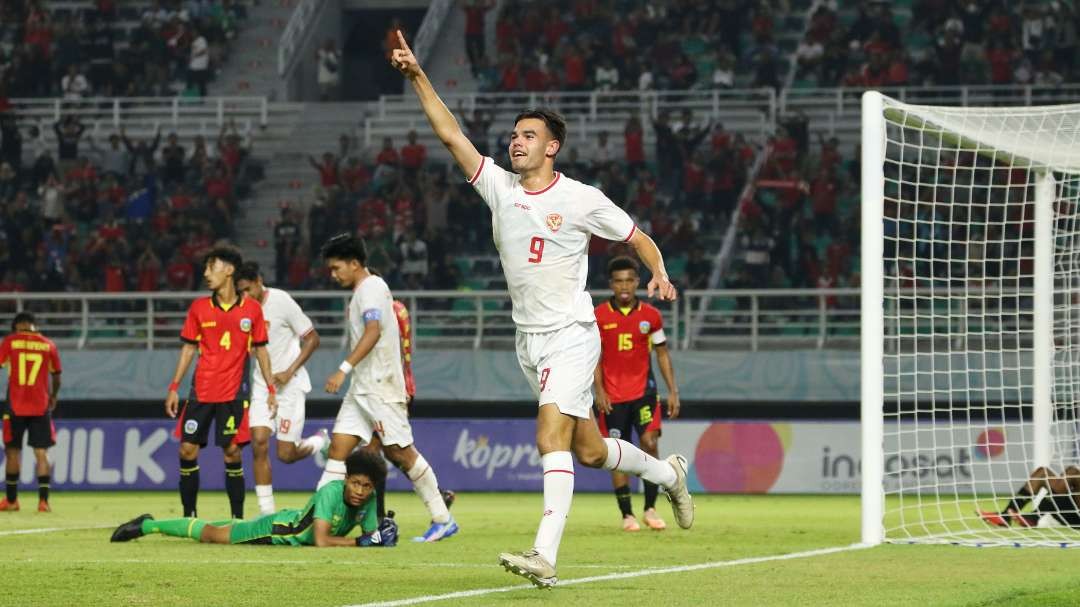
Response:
column 386, row 536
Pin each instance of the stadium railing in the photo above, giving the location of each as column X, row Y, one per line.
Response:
column 138, row 114
column 751, row 112
column 722, row 319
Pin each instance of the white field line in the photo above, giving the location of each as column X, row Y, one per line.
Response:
column 430, row 598
column 51, row 529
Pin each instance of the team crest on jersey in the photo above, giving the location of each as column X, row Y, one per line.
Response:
column 644, row 326
column 554, row 222
column 245, row 325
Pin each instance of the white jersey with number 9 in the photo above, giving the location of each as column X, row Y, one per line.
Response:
column 543, row 242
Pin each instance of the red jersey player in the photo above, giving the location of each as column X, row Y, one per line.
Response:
column 30, row 357
column 223, row 328
column 626, row 394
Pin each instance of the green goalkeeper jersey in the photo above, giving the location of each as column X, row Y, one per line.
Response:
column 296, row 526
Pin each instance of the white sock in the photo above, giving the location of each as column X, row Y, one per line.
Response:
column 334, row 471
column 315, row 441
column 558, row 493
column 626, row 458
column 265, row 493
column 426, row 487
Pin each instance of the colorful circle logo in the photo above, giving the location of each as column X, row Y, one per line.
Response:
column 990, row 443
column 741, row 457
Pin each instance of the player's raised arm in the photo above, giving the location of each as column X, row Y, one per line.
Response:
column 442, row 121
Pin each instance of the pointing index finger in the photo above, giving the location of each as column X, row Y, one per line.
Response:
column 401, row 39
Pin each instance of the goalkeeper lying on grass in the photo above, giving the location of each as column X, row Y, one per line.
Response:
column 325, row 520
column 1054, row 497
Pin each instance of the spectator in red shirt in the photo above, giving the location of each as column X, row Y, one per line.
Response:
column 474, row 32
column 218, row 185
column 388, row 155
column 355, row 177
column 328, row 170
column 574, row 75
column 115, row 276
column 179, row 274
column 148, row 268
column 413, row 156
column 823, row 192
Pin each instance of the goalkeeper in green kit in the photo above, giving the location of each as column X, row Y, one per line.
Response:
column 325, row 520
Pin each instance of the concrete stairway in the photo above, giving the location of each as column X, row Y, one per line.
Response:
column 290, row 180
column 251, row 68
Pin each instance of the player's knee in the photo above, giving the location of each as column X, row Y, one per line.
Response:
column 1041, row 472
column 591, row 457
column 232, row 454
column 189, row 451
column 1072, row 472
column 286, row 452
column 649, row 444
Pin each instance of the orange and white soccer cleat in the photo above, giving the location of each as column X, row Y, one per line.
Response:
column 653, row 520
column 43, row 506
column 993, row 518
column 6, row 506
column 629, row 523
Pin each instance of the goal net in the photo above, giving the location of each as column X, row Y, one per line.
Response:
column 970, row 318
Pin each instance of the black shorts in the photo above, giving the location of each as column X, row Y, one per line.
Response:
column 41, row 429
column 1061, row 507
column 230, row 423
column 641, row 416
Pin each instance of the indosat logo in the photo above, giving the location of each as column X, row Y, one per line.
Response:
column 740, row 457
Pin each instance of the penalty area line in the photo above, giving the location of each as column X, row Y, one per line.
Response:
column 430, row 598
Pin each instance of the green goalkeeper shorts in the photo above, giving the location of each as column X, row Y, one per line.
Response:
column 267, row 530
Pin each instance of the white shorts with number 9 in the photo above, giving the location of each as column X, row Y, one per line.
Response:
column 288, row 425
column 560, row 366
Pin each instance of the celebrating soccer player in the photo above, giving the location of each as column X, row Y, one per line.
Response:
column 542, row 222
column 293, row 339
column 375, row 401
column 626, row 394
column 1053, row 496
column 223, row 328
column 325, row 520
column 33, row 363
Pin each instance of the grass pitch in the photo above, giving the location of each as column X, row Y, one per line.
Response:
column 74, row 563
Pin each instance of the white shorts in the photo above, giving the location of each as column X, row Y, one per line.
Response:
column 288, row 426
column 363, row 414
column 560, row 366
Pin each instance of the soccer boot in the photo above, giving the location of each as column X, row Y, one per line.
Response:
column 43, row 506
column 993, row 518
column 448, row 498
column 325, row 450
column 531, row 566
column 131, row 529
column 438, row 531
column 653, row 520
column 1023, row 520
column 6, row 506
column 629, row 523
column 682, row 505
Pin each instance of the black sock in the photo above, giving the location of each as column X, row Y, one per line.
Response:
column 12, row 487
column 43, row 487
column 189, row 485
column 622, row 496
column 234, row 486
column 380, row 500
column 1017, row 503
column 651, row 490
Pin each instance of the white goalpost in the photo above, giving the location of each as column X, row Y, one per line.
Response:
column 970, row 316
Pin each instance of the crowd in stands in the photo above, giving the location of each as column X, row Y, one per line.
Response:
column 105, row 211
column 576, row 45
column 943, row 42
column 112, row 48
column 419, row 218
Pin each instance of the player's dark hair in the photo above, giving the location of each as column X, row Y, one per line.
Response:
column 369, row 464
column 227, row 253
column 22, row 317
column 621, row 263
column 345, row 247
column 554, row 121
column 249, row 271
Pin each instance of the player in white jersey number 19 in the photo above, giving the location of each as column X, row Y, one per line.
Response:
column 293, row 339
column 542, row 222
